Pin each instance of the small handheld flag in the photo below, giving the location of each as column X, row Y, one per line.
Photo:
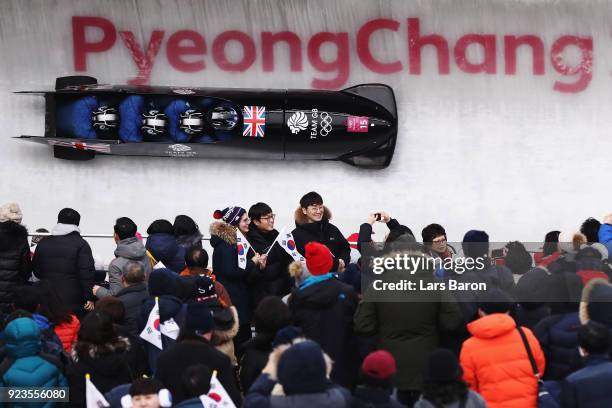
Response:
column 93, row 397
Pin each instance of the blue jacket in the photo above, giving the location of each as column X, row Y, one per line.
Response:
column 166, row 249
column 605, row 237
column 259, row 396
column 558, row 336
column 590, row 386
column 29, row 369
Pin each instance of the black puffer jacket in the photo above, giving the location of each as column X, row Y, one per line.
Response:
column 323, row 232
column 67, row 263
column 15, row 263
column 324, row 307
column 273, row 280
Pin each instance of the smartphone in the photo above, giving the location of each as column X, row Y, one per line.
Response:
column 378, row 216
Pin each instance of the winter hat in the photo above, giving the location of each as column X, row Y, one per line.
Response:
column 379, row 364
column 163, row 281
column 230, row 215
column 205, row 288
column 494, row 301
column 312, row 198
column 319, row 259
column 199, row 318
column 11, row 212
column 301, row 369
column 570, row 242
column 69, row 216
column 286, row 335
column 596, row 303
column 442, row 367
column 475, row 244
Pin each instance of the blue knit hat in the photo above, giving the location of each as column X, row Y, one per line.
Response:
column 163, row 281
column 230, row 215
column 301, row 369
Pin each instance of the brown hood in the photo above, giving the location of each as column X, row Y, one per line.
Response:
column 583, row 312
column 301, row 219
column 223, row 336
column 224, row 231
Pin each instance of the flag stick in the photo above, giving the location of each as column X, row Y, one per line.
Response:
column 275, row 241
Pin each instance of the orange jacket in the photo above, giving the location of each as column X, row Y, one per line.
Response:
column 67, row 333
column 495, row 362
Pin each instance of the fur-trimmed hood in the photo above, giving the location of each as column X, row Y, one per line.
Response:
column 95, row 351
column 223, row 231
column 223, row 336
column 301, row 219
column 596, row 302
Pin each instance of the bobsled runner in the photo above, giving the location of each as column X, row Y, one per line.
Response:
column 357, row 125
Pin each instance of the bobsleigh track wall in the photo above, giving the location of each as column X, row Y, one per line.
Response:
column 505, row 107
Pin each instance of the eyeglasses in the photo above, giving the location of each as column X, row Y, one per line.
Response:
column 439, row 241
column 316, row 207
column 268, row 217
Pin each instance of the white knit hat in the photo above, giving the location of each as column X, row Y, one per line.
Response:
column 11, row 212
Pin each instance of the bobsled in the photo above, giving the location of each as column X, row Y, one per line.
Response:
column 357, row 125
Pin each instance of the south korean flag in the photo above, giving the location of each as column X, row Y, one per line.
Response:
column 242, row 246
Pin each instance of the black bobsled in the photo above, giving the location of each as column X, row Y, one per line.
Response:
column 357, row 125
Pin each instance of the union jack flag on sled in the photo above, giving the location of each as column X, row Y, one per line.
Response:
column 254, row 121
column 97, row 147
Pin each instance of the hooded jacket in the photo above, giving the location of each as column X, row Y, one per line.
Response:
column 324, row 307
column 65, row 261
column 15, row 263
column 558, row 337
column 225, row 266
column 495, row 362
column 273, row 280
column 323, row 232
column 605, row 237
column 29, row 367
column 107, row 365
column 128, row 250
column 68, row 332
column 590, row 386
column 164, row 248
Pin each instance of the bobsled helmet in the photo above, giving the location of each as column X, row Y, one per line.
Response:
column 191, row 122
column 222, row 118
column 105, row 118
column 154, row 122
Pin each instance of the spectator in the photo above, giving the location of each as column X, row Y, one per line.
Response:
column 409, row 330
column 187, row 232
column 322, row 305
column 100, row 352
column 517, row 259
column 596, row 303
column 15, row 261
column 162, row 245
column 494, row 360
column 396, row 230
column 376, row 387
column 605, row 233
column 312, row 225
column 193, row 347
column 569, row 245
column 25, row 365
column 147, row 393
column 133, row 294
column 271, row 278
column 434, row 237
column 196, row 382
column 444, row 387
column 589, row 263
column 590, row 229
column 163, row 284
column 196, row 264
column 135, row 356
column 550, row 249
column 129, row 249
column 301, row 369
column 65, row 324
column 271, row 315
column 225, row 264
column 558, row 333
column 28, row 298
column 588, row 387
column 64, row 260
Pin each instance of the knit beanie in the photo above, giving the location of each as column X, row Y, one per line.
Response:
column 319, row 259
column 163, row 281
column 301, row 369
column 230, row 215
column 442, row 367
column 199, row 318
column 11, row 212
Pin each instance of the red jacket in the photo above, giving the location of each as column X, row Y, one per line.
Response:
column 587, row 274
column 496, row 365
column 67, row 333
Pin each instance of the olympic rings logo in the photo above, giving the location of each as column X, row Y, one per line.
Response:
column 326, row 124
